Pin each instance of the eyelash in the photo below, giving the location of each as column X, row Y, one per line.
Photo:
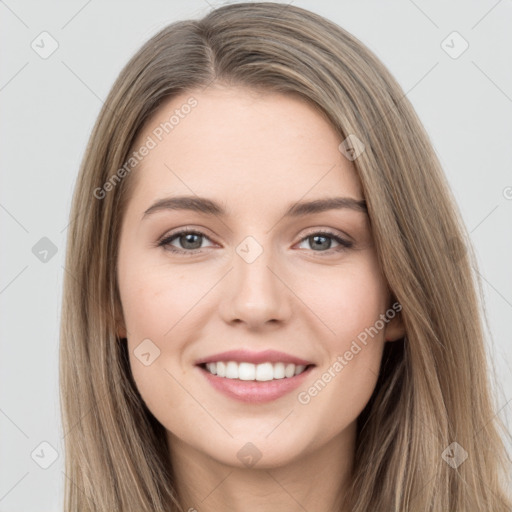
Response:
column 165, row 242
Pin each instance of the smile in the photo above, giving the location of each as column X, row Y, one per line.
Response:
column 264, row 385
column 254, row 372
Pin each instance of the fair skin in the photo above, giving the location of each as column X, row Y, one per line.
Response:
column 256, row 155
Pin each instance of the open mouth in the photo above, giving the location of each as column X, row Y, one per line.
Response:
column 262, row 372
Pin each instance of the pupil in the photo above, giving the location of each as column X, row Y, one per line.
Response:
column 325, row 245
column 189, row 239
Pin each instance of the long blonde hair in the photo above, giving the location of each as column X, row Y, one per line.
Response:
column 434, row 387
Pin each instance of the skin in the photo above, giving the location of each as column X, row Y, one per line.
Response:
column 256, row 153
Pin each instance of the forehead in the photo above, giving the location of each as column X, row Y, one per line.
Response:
column 240, row 143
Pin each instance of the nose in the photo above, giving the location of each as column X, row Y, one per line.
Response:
column 255, row 293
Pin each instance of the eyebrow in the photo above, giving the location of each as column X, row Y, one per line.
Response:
column 210, row 207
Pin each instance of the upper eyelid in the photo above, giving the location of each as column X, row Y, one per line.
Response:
column 186, row 230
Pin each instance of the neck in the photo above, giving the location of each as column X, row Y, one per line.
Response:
column 312, row 481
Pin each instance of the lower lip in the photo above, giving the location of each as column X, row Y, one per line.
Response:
column 255, row 391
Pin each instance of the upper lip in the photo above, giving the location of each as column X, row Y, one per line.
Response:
column 240, row 356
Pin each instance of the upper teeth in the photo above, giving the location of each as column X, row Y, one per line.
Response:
column 249, row 371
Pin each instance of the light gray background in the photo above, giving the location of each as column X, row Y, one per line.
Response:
column 49, row 106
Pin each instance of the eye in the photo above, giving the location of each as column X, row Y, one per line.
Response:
column 191, row 242
column 323, row 240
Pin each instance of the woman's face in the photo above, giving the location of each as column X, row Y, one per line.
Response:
column 252, row 277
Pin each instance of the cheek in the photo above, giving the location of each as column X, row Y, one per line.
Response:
column 348, row 299
column 350, row 304
column 158, row 307
column 155, row 299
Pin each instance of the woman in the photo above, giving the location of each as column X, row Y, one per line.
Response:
column 319, row 346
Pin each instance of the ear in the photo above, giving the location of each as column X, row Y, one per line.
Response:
column 395, row 329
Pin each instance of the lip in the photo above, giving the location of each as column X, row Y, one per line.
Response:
column 241, row 356
column 255, row 391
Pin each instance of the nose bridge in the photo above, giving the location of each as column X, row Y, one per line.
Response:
column 252, row 263
column 257, row 294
